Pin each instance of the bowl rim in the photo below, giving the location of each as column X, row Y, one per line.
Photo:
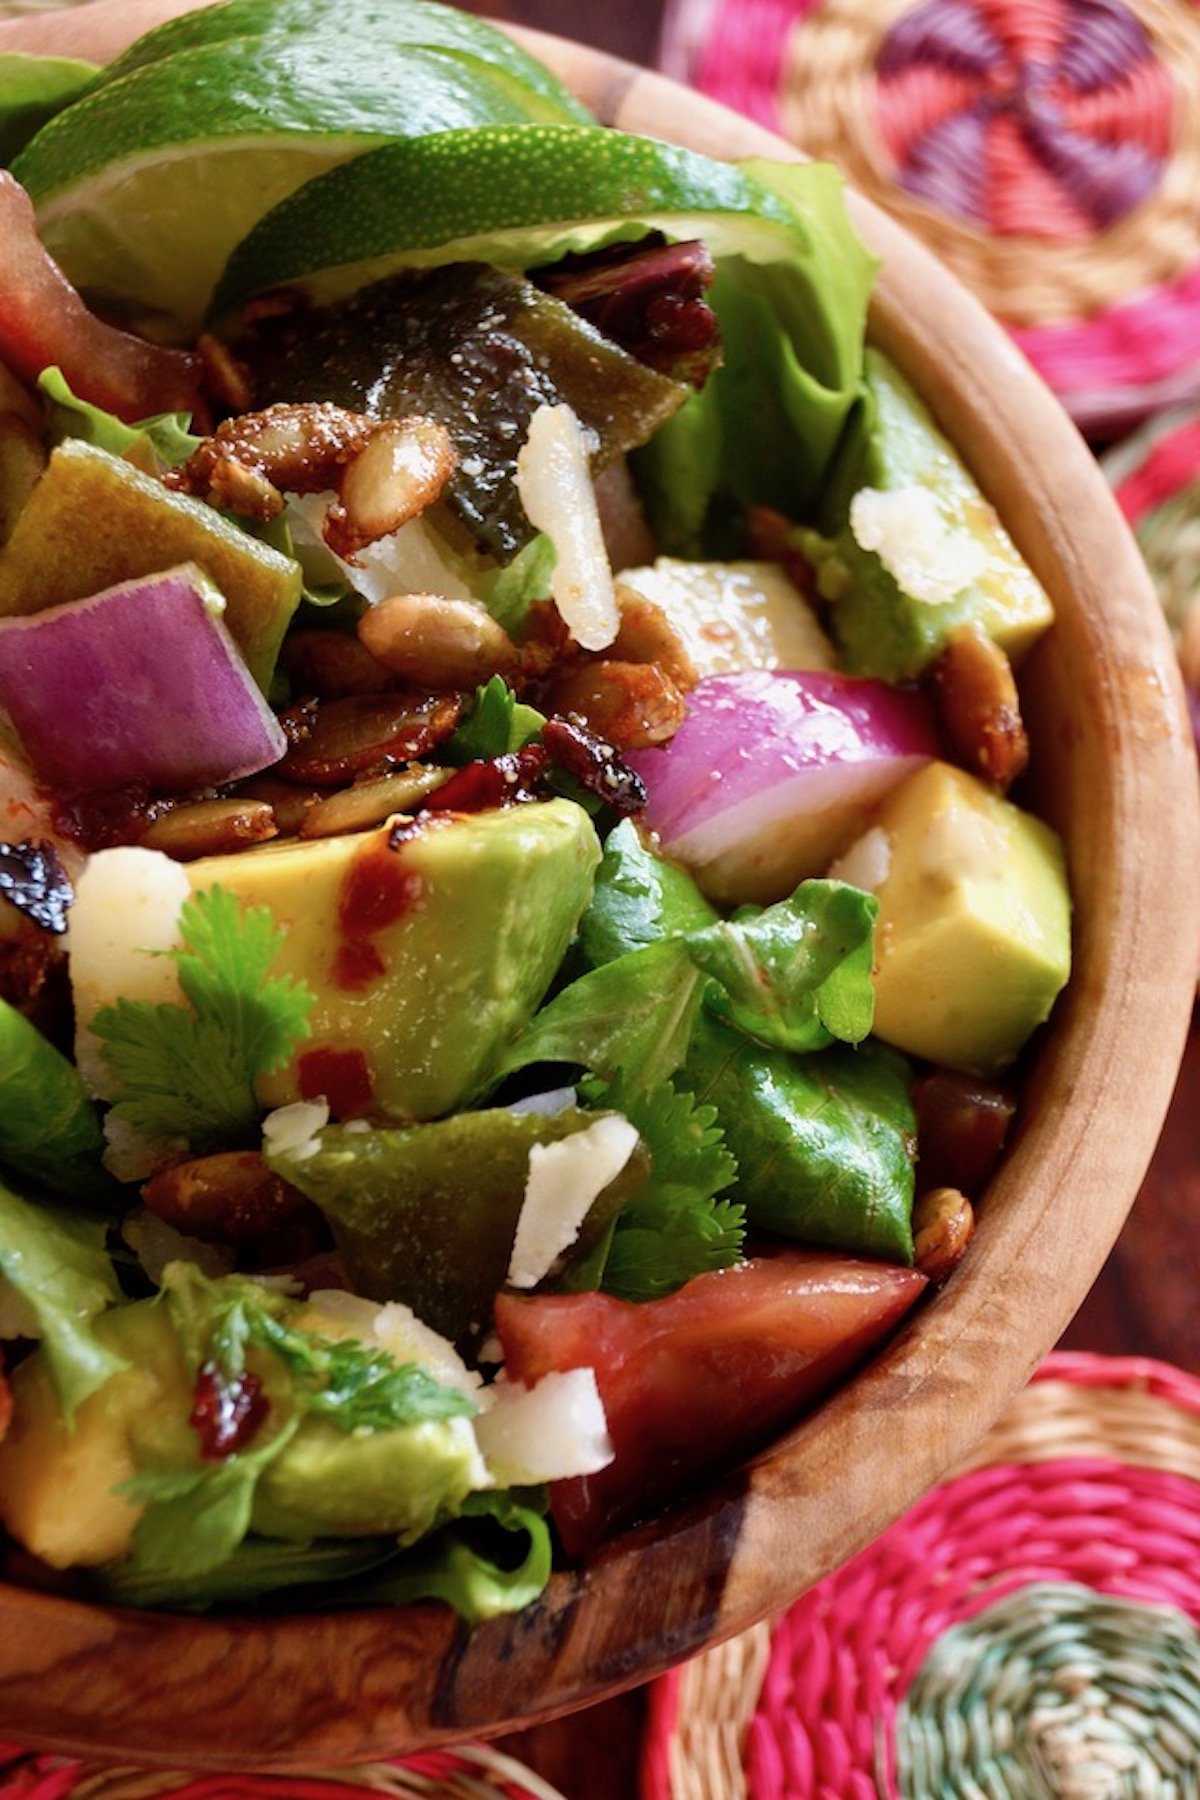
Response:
column 294, row 1691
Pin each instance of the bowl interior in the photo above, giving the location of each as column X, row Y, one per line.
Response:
column 1114, row 771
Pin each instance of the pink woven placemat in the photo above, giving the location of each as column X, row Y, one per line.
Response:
column 1029, row 1628
column 1049, row 150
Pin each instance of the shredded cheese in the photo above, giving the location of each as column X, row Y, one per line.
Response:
column 554, row 480
column 564, row 1180
column 549, row 1432
column 915, row 544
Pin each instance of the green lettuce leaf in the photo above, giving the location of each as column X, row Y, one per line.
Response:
column 57, row 1264
column 164, row 441
column 195, row 1518
column 362, row 1571
column 638, row 898
column 765, row 427
column 49, row 1128
column 798, row 974
column 824, row 1144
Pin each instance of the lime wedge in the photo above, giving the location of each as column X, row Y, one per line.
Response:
column 32, row 90
column 144, row 185
column 510, row 196
column 378, row 22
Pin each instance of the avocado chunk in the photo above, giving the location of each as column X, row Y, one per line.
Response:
column 428, row 1215
column 61, row 1489
column 401, row 1482
column 60, row 1486
column 942, row 559
column 973, row 940
column 94, row 520
column 428, row 944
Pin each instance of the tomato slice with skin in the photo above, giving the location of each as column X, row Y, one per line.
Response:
column 699, row 1379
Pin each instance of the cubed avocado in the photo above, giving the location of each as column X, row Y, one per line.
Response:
column 943, row 558
column 428, row 944
column 334, row 1483
column 59, row 1487
column 94, row 520
column 973, row 940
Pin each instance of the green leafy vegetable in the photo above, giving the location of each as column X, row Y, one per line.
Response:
column 360, row 1387
column 824, row 1144
column 363, row 1571
column 195, row 1518
column 57, row 1265
column 49, row 1128
column 512, row 590
column 189, row 1071
column 674, row 1227
column 632, row 1018
column 797, row 974
column 162, row 441
column 638, row 898
column 497, row 724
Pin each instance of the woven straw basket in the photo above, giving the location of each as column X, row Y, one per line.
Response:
column 1028, row 1629
column 1048, row 150
column 471, row 1772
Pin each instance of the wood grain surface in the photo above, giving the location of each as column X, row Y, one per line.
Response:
column 1116, row 773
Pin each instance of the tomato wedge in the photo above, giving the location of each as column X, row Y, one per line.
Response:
column 699, row 1379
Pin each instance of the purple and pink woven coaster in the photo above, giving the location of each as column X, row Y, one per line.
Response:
column 1048, row 150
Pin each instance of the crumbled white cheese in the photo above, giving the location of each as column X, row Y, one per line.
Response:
column 564, row 1180
column 157, row 1244
column 554, row 1100
column 915, row 544
column 554, row 481
column 866, row 863
column 127, row 905
column 548, row 1432
column 292, row 1130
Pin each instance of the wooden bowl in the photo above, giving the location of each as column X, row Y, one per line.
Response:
column 1116, row 772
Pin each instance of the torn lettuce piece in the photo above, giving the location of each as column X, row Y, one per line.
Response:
column 49, row 1129
column 57, row 1266
column 479, row 1579
column 164, row 441
column 825, row 1144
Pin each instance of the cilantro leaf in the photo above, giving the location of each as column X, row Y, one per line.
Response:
column 497, row 725
column 674, row 1227
column 189, row 1071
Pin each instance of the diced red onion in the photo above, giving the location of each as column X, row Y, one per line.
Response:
column 774, row 772
column 139, row 683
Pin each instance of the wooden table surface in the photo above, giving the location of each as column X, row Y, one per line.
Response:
column 1145, row 1300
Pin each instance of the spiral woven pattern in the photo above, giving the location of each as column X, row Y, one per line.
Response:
column 470, row 1772
column 1028, row 1629
column 1048, row 150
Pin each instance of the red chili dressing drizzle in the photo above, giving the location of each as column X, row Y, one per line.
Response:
column 342, row 1077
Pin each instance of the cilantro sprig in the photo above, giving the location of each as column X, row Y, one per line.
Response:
column 189, row 1071
column 675, row 1227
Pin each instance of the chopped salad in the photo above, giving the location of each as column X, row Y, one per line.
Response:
column 515, row 943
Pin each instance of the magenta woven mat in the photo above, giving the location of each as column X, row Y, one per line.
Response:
column 1049, row 150
column 1029, row 1628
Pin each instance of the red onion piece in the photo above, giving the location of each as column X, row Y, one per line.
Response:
column 43, row 321
column 139, row 683
column 774, row 772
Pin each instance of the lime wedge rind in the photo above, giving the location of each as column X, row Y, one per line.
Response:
column 509, row 195
column 377, row 22
column 32, row 90
column 143, row 187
